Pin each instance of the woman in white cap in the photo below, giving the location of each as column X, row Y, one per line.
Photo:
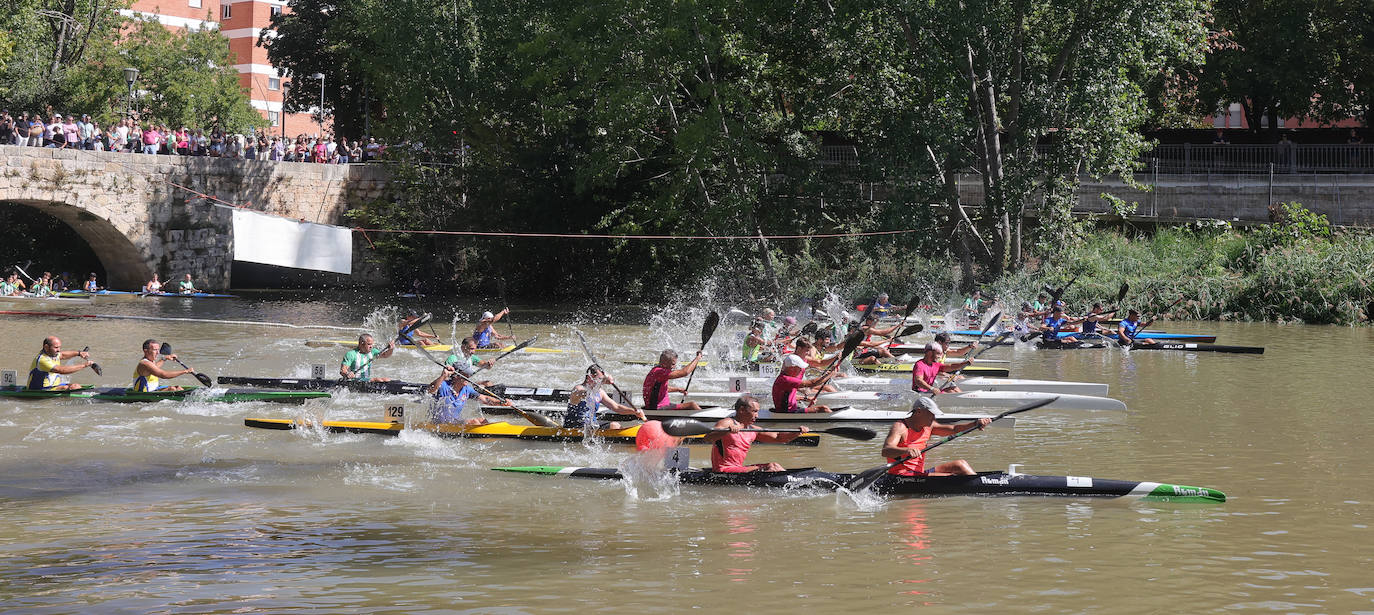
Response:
column 786, row 385
column 928, row 368
column 485, row 333
column 908, row 436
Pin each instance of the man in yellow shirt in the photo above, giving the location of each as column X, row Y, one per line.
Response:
column 47, row 371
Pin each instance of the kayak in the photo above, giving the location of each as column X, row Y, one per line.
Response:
column 1009, row 483
column 29, row 298
column 433, row 348
column 977, row 383
column 1144, row 335
column 393, row 387
column 1164, row 345
column 903, row 399
column 195, row 295
column 490, row 430
column 841, row 414
column 123, row 394
column 972, row 370
column 81, row 294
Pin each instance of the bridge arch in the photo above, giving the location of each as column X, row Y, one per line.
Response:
column 125, row 265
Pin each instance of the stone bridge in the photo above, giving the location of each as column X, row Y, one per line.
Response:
column 143, row 214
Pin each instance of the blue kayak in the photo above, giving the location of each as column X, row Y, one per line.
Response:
column 1111, row 334
column 81, row 294
column 189, row 295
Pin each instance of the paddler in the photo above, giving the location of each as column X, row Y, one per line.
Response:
column 91, row 285
column 881, row 306
column 928, row 368
column 872, row 351
column 657, row 387
column 1093, row 319
column 466, row 361
column 586, row 399
column 768, row 318
column 47, row 372
column 186, row 286
column 729, row 448
column 416, row 337
column 485, row 333
column 153, row 286
column 148, row 374
column 973, row 306
column 357, row 363
column 451, row 394
column 942, row 338
column 1056, row 322
column 908, row 436
column 8, row 287
column 1129, row 328
column 755, row 349
column 790, row 381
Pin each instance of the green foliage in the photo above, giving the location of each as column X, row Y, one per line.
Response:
column 47, row 40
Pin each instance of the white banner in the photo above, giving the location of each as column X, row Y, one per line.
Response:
column 273, row 240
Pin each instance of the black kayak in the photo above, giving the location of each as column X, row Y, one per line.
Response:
column 1186, row 347
column 981, row 484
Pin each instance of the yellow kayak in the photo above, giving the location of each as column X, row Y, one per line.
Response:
column 434, row 348
column 490, row 430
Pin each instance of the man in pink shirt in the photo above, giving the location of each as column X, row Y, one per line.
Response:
column 729, row 448
column 927, row 370
column 789, row 382
column 657, row 388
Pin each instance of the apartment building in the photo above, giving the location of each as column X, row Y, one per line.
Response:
column 242, row 22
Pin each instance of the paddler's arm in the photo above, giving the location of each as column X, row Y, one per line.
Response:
column 154, row 369
column 688, row 368
column 390, row 347
column 949, row 430
column 619, row 408
column 67, row 354
column 894, row 436
column 725, row 423
column 434, row 386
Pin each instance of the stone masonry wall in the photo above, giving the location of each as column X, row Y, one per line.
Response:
column 143, row 214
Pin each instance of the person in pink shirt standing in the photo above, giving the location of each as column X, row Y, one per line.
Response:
column 730, row 446
column 150, row 140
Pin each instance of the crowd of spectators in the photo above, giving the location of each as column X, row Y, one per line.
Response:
column 72, row 132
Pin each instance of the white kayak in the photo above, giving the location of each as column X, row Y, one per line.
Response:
column 715, row 413
column 901, row 400
column 977, row 383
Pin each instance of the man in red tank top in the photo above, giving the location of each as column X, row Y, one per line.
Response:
column 908, row 436
column 728, row 448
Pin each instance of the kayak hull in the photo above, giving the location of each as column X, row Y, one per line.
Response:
column 976, row 383
column 490, row 430
column 1162, row 345
column 903, row 399
column 124, row 395
column 1144, row 335
column 982, row 484
column 435, row 347
column 905, row 368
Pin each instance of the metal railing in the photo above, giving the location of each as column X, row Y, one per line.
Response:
column 1286, row 157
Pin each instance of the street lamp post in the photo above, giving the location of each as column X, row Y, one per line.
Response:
column 320, row 76
column 281, row 115
column 130, row 76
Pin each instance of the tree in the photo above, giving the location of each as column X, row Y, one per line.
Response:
column 1279, row 59
column 47, row 39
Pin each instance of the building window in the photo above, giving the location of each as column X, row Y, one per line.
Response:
column 226, row 12
column 276, row 10
column 195, row 4
column 274, row 118
column 274, row 83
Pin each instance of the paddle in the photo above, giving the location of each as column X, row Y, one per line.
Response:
column 1056, row 293
column 591, row 357
column 865, row 479
column 1001, row 337
column 403, row 334
column 530, row 415
column 851, row 343
column 910, row 307
column 708, row 329
column 167, row 350
column 688, row 427
column 507, row 353
column 1141, row 328
column 95, row 367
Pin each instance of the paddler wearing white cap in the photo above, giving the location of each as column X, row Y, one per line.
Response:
column 485, row 333
column 786, row 385
column 907, row 437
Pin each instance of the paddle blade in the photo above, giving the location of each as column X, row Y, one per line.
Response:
column 910, row 306
column 810, row 328
column 863, row 480
column 709, row 327
column 996, row 318
column 95, row 367
column 537, row 418
column 853, row 433
column 917, row 328
column 685, row 427
column 405, row 332
column 1121, row 294
column 205, row 380
column 165, row 350
column 851, row 343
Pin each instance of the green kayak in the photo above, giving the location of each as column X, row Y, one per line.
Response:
column 122, row 394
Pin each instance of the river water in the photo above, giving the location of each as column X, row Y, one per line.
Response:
column 178, row 508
